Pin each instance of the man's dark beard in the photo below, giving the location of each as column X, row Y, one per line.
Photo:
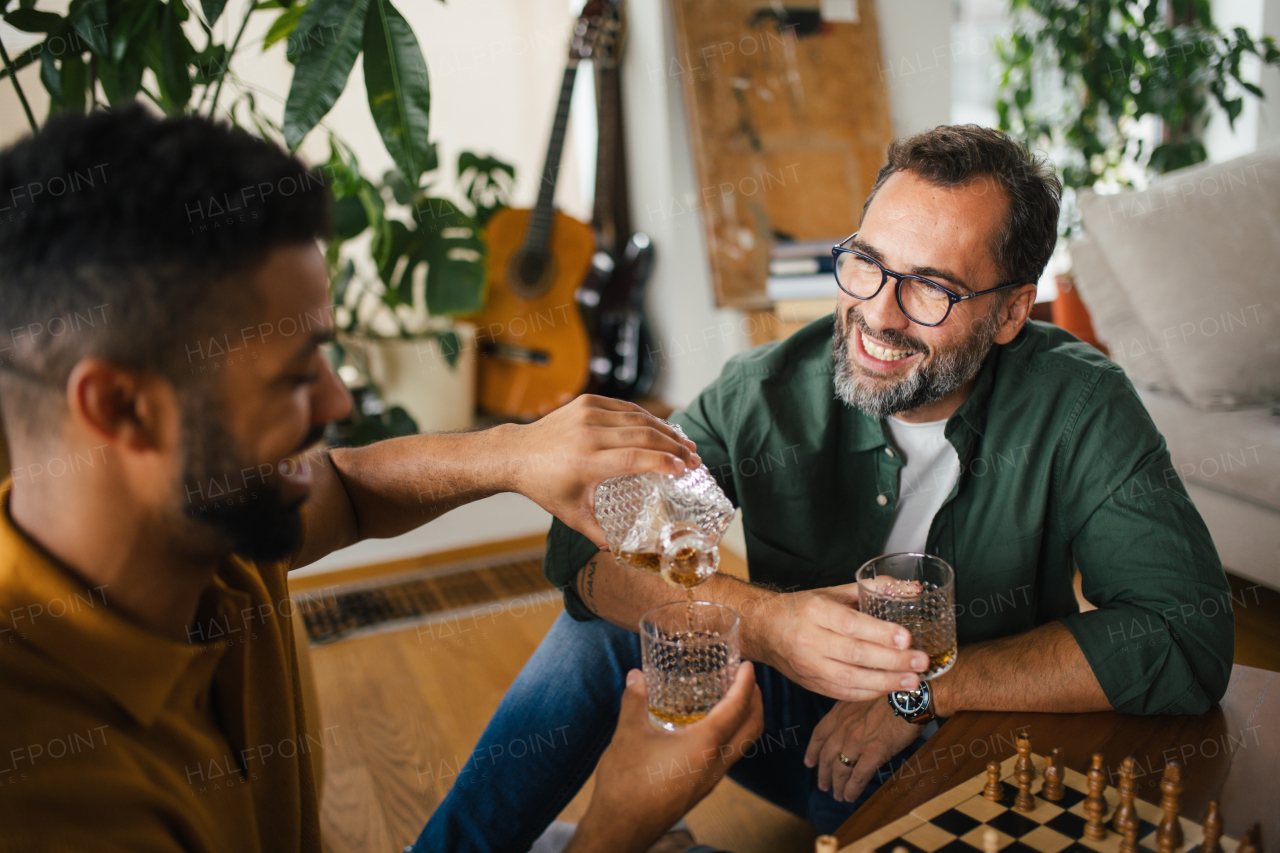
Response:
column 256, row 519
column 923, row 384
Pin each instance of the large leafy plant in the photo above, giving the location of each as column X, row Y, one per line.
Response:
column 1085, row 78
column 113, row 51
column 427, row 250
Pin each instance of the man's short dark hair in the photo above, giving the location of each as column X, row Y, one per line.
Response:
column 953, row 156
column 129, row 236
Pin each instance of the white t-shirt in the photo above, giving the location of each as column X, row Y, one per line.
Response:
column 931, row 471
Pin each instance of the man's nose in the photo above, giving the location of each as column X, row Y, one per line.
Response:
column 331, row 401
column 882, row 312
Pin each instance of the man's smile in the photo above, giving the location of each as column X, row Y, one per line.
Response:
column 879, row 357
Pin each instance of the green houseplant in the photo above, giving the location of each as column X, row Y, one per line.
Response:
column 1117, row 90
column 1080, row 77
column 405, row 263
column 106, row 52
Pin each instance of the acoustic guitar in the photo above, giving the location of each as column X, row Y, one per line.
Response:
column 534, row 349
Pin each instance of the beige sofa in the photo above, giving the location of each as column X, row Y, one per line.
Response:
column 1182, row 281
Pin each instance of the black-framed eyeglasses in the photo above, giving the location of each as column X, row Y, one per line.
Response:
column 923, row 301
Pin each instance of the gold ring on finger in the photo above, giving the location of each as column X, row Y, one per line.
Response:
column 845, row 760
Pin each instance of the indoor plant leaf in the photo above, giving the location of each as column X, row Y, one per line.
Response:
column 173, row 72
column 90, row 22
column 283, row 26
column 323, row 63
column 349, row 217
column 51, row 77
column 212, row 10
column 32, row 21
column 120, row 80
column 455, row 255
column 395, row 77
column 74, row 77
column 134, row 20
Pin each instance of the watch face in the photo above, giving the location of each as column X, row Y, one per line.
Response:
column 909, row 703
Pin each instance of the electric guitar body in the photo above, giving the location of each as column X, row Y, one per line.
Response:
column 532, row 340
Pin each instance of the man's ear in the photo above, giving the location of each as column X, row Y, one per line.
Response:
column 1014, row 312
column 133, row 409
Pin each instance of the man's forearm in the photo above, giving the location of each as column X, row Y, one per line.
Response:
column 1041, row 670
column 399, row 484
column 622, row 595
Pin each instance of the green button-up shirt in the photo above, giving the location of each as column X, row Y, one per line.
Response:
column 1060, row 467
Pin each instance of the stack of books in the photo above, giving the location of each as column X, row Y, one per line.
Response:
column 801, row 270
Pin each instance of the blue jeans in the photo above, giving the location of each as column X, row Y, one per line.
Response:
column 547, row 735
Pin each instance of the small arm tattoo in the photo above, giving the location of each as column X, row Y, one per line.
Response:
column 587, row 583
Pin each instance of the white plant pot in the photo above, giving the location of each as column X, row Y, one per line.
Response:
column 414, row 374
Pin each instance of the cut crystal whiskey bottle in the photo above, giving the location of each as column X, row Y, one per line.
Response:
column 665, row 524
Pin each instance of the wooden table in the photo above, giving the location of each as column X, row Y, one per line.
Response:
column 1231, row 754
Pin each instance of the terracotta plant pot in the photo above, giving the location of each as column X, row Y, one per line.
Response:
column 1070, row 312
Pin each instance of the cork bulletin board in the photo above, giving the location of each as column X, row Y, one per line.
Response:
column 789, row 122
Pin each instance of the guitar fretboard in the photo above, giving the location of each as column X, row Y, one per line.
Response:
column 538, row 234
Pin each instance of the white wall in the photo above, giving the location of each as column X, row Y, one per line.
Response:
column 916, row 53
column 495, row 69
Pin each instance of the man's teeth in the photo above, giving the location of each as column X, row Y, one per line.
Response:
column 884, row 353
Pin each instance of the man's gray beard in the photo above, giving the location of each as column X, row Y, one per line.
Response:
column 925, row 383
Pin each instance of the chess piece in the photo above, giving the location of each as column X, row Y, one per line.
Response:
column 1052, row 788
column 1024, row 756
column 1024, row 802
column 990, row 841
column 993, row 790
column 1129, row 831
column 1169, row 832
column 828, row 844
column 1251, row 839
column 1095, row 806
column 1124, row 811
column 1024, row 771
column 1212, row 830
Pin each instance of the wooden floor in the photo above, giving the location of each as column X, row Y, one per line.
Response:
column 410, row 704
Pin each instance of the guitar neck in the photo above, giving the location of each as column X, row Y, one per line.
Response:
column 538, row 235
column 611, row 215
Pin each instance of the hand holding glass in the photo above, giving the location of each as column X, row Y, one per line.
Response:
column 689, row 654
column 918, row 592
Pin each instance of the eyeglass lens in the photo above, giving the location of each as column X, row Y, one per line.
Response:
column 861, row 278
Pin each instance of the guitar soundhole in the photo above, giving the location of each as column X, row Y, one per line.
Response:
column 531, row 274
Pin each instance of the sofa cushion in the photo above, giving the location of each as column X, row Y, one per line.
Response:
column 1198, row 253
column 1114, row 319
column 1236, row 453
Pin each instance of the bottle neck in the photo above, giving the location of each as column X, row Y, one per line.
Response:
column 689, row 557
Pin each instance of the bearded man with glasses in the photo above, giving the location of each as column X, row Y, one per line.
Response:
column 928, row 414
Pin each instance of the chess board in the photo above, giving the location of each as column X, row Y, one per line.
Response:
column 956, row 821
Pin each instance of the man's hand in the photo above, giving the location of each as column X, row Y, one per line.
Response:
column 868, row 733
column 820, row 640
column 558, row 461
column 638, row 796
